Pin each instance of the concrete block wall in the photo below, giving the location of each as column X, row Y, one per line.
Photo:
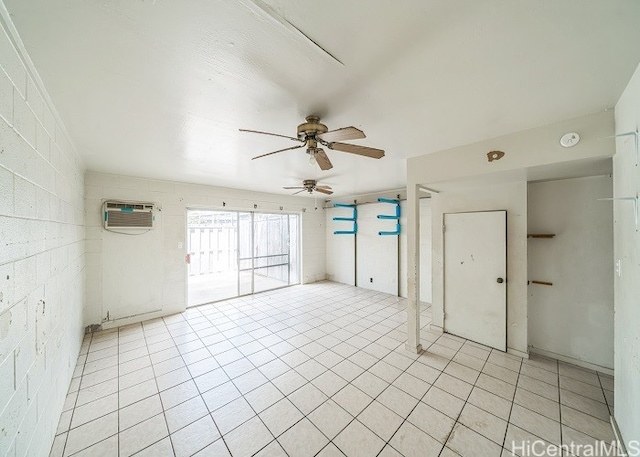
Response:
column 107, row 268
column 41, row 259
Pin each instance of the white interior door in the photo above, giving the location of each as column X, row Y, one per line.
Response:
column 475, row 268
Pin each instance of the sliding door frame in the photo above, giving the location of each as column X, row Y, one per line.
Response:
column 298, row 267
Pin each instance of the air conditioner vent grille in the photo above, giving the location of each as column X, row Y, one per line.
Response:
column 125, row 219
column 129, row 206
column 128, row 215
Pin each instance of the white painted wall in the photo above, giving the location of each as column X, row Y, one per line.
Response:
column 106, row 251
column 525, row 152
column 573, row 319
column 425, row 250
column 378, row 253
column 510, row 197
column 340, row 248
column 626, row 183
column 41, row 259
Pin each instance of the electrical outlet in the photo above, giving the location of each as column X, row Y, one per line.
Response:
column 180, row 244
column 370, row 279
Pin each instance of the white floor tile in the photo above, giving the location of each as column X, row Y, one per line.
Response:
column 105, row 448
column 431, row 421
column 467, row 443
column 352, row 399
column 248, row 439
column 587, row 424
column 330, row 450
column 535, row 423
column 336, row 354
column 280, row 416
column 539, row 404
column 397, row 401
column 232, row 415
column 303, row 439
column 381, row 420
column 90, row 433
column 358, row 441
column 272, row 449
column 195, row 437
column 410, row 441
column 484, row 423
column 142, row 435
column 185, row 413
column 307, row 398
column 330, row 418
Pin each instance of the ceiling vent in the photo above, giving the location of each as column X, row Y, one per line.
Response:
column 128, row 215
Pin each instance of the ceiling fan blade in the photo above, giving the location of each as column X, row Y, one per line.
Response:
column 357, row 149
column 324, row 191
column 297, row 187
column 279, row 150
column 296, row 193
column 323, row 160
column 323, row 187
column 272, row 134
column 345, row 133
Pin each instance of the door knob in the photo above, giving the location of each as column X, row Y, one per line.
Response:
column 500, row 280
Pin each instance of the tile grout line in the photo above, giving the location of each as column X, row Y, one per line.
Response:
column 293, row 323
column 406, row 419
column 457, row 419
column 186, row 320
column 155, row 380
column 210, row 413
column 73, row 410
column 513, row 402
column 560, row 407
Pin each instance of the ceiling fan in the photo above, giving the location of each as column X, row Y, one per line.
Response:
column 312, row 134
column 311, row 185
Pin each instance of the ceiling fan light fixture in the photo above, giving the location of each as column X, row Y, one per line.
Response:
column 312, row 158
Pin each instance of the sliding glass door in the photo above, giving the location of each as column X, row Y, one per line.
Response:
column 235, row 253
column 271, row 251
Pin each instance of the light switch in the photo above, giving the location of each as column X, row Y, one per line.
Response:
column 180, row 244
column 619, row 268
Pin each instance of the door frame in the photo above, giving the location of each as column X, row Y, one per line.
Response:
column 298, row 267
column 506, row 271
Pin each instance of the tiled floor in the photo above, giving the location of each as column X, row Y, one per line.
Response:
column 320, row 370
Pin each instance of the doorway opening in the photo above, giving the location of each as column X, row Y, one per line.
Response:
column 234, row 253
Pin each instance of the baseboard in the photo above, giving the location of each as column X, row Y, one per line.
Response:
column 571, row 360
column 622, row 449
column 107, row 325
column 524, row 355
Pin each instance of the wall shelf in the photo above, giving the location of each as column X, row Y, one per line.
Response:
column 636, row 135
column 626, row 199
column 353, row 218
column 395, row 216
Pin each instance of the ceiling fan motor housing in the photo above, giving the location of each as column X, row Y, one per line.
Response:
column 311, row 128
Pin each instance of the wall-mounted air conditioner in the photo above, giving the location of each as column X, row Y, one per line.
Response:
column 128, row 215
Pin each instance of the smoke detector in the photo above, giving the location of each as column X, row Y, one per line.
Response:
column 569, row 139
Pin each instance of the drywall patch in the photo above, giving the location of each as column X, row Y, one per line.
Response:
column 494, row 155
